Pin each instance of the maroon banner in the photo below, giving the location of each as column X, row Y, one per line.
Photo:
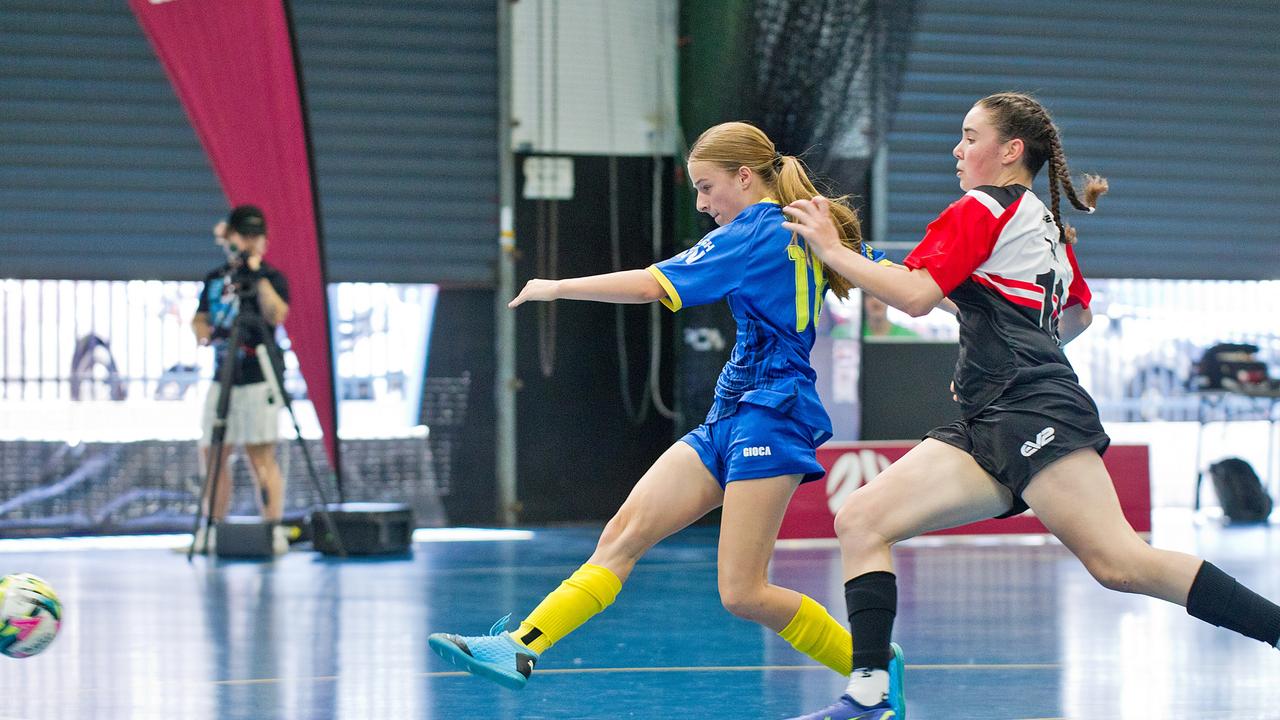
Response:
column 850, row 465
column 231, row 63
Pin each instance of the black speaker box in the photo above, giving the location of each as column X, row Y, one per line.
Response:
column 364, row 528
column 243, row 537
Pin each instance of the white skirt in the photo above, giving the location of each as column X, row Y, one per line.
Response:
column 252, row 419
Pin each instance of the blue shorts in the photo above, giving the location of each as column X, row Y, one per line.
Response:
column 756, row 442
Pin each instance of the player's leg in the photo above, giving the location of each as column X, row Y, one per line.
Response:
column 749, row 524
column 677, row 490
column 934, row 486
column 1074, row 498
column 266, row 472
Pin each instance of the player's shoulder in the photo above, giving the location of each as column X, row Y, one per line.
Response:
column 762, row 213
column 760, row 219
column 995, row 199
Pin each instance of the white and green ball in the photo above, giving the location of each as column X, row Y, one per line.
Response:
column 30, row 615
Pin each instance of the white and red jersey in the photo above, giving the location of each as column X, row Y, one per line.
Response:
column 996, row 254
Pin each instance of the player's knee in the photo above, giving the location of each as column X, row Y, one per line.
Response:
column 856, row 523
column 741, row 599
column 1112, row 574
column 623, row 536
column 613, row 532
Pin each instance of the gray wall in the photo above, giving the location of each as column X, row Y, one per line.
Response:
column 101, row 176
column 1176, row 103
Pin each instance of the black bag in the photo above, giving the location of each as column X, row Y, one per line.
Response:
column 1234, row 367
column 1240, row 491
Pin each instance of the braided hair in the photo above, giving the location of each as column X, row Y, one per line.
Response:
column 1018, row 115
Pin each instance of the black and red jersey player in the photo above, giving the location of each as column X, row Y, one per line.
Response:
column 1029, row 434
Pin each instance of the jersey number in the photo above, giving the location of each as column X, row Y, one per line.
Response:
column 800, row 257
column 1052, row 286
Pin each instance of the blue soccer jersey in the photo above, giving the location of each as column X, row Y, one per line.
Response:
column 774, row 287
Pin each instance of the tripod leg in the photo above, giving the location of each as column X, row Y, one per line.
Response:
column 217, row 436
column 221, row 489
column 213, row 489
column 271, row 370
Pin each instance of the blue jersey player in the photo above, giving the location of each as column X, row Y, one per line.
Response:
column 758, row 442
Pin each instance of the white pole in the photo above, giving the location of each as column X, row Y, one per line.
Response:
column 506, row 384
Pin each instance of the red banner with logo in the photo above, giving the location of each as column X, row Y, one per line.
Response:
column 851, row 465
column 231, row 64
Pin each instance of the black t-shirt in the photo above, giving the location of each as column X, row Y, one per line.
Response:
column 996, row 253
column 218, row 299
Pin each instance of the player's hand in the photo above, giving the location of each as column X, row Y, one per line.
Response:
column 954, row 396
column 536, row 289
column 811, row 219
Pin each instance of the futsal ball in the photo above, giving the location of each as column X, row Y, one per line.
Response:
column 30, row 615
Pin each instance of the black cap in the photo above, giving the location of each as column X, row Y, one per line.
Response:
column 247, row 220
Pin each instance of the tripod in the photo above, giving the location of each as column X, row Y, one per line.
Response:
column 245, row 318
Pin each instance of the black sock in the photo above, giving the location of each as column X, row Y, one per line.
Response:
column 872, row 600
column 1218, row 599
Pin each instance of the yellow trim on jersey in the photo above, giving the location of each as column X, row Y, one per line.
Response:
column 798, row 256
column 819, row 288
column 769, row 200
column 672, row 301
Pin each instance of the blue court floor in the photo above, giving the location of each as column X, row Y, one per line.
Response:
column 991, row 631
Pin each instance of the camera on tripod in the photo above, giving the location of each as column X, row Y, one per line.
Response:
column 243, row 278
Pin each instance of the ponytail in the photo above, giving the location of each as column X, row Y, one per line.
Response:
column 733, row 145
column 793, row 184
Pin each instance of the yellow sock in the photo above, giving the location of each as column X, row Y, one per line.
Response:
column 590, row 589
column 815, row 633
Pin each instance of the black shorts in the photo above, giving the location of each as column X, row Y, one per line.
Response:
column 1025, row 430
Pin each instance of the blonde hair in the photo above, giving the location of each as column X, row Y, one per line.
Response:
column 733, row 145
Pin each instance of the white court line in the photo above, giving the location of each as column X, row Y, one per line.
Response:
column 465, row 534
column 984, row 540
column 165, row 542
column 993, row 667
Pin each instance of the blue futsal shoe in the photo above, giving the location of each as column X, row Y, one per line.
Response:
column 894, row 708
column 846, row 709
column 897, row 693
column 496, row 656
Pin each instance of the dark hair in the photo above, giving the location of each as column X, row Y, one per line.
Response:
column 733, row 145
column 247, row 220
column 1018, row 115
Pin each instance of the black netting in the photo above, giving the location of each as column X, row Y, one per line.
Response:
column 822, row 83
column 827, row 79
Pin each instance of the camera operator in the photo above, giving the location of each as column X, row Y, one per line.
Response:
column 244, row 284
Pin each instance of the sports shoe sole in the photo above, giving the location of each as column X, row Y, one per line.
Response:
column 455, row 655
column 897, row 693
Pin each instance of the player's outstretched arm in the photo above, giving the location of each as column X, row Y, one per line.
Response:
column 913, row 292
column 628, row 286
